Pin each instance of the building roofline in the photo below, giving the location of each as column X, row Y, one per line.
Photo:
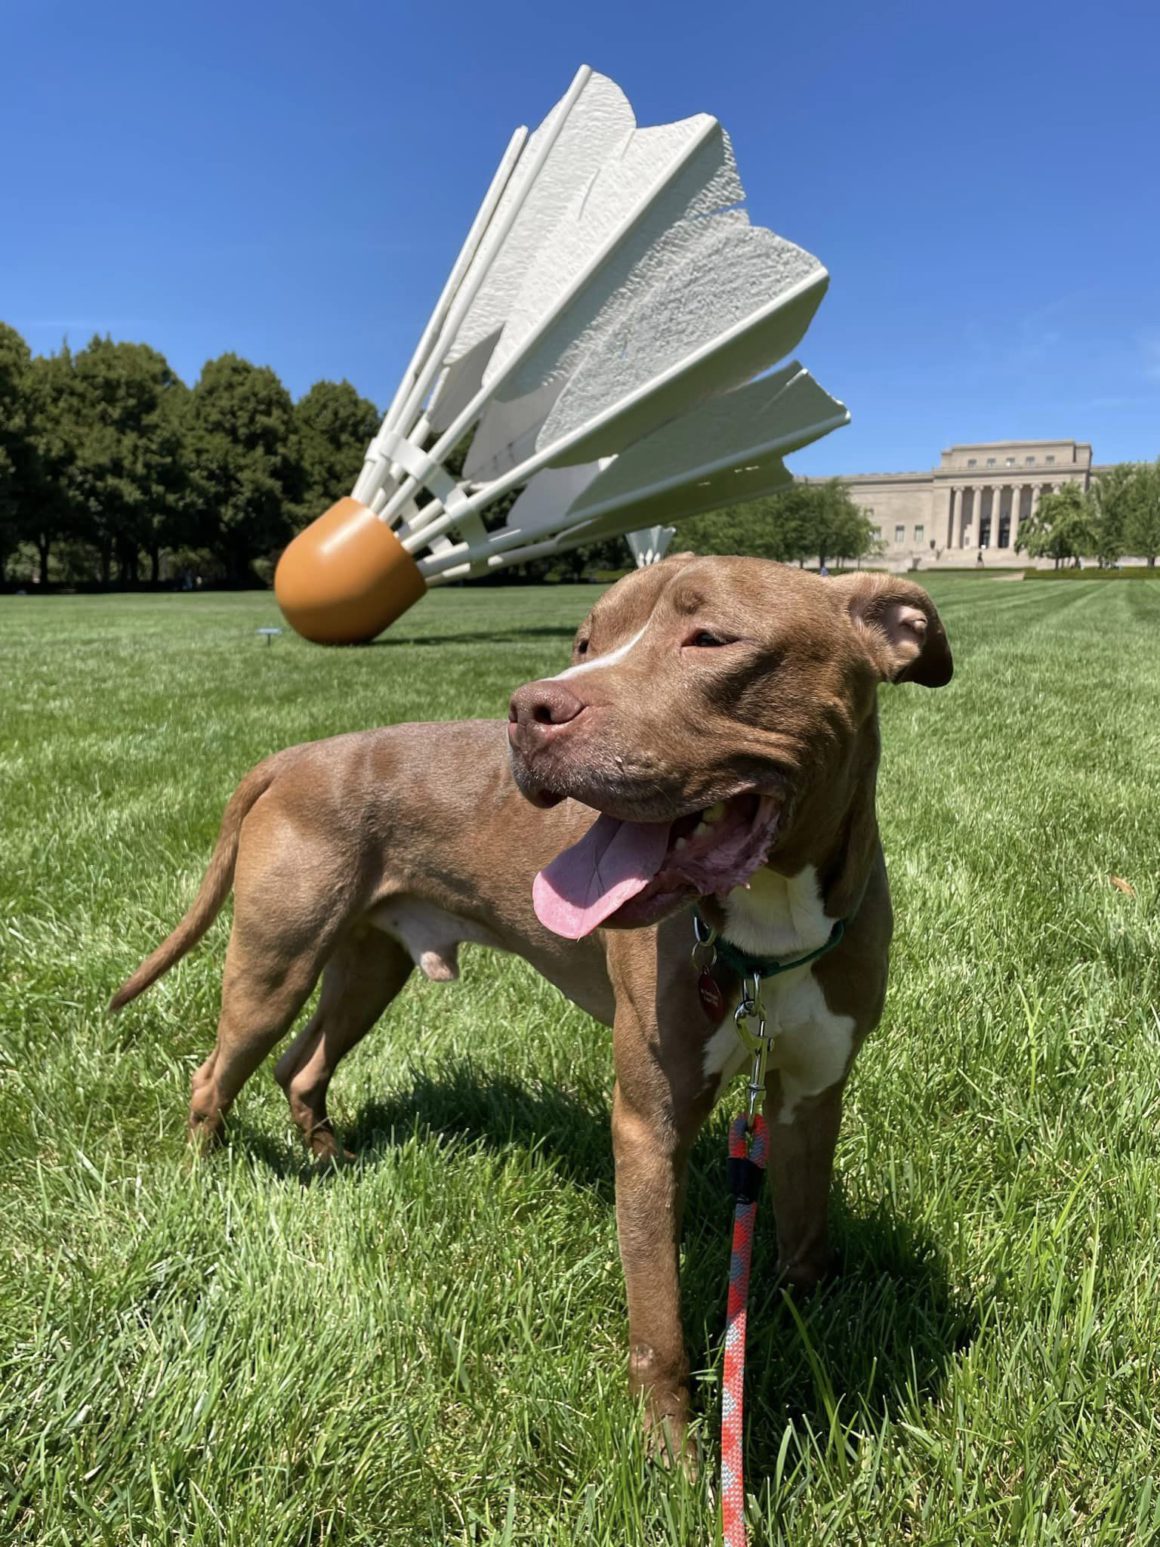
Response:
column 1027, row 440
column 920, row 477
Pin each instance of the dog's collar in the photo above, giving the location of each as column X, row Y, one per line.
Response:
column 749, row 966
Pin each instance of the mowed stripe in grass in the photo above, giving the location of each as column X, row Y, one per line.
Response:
column 429, row 1346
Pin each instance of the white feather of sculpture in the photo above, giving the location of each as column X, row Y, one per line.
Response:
column 597, row 340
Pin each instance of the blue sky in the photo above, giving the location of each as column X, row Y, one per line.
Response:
column 291, row 181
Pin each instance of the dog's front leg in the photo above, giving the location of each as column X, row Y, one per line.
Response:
column 649, row 1179
column 801, row 1168
column 653, row 1127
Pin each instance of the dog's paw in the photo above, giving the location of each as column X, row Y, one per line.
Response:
column 204, row 1134
column 322, row 1142
column 802, row 1279
column 670, row 1442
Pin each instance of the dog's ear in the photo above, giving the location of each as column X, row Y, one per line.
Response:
column 901, row 627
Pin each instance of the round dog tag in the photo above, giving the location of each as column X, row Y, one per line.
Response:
column 712, row 998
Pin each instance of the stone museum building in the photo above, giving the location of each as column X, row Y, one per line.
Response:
column 970, row 504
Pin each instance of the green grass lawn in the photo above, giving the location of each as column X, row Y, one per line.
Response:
column 430, row 1345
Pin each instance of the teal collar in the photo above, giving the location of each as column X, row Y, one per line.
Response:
column 748, row 966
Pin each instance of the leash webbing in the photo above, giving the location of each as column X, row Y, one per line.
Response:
column 746, row 1171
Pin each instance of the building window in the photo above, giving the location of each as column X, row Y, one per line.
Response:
column 919, row 532
column 990, row 461
column 899, row 535
column 1050, row 461
column 1029, row 461
column 878, row 533
column 1010, row 461
column 972, row 461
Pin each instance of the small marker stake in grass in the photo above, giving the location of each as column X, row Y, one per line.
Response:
column 269, row 633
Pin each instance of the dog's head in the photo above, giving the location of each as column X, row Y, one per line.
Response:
column 715, row 708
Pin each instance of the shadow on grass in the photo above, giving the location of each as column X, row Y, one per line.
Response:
column 475, row 637
column 874, row 1343
column 876, row 1340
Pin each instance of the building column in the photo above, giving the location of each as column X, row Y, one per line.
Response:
column 951, row 518
column 964, row 529
column 1016, row 503
column 996, row 524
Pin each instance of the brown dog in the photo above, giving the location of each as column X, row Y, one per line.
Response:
column 721, row 715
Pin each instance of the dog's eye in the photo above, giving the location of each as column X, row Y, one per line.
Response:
column 705, row 639
column 581, row 647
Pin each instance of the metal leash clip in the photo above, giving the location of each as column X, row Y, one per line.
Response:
column 749, row 1018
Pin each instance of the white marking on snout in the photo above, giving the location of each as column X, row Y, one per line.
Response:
column 784, row 916
column 611, row 659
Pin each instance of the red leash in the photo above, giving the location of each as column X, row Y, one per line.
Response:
column 748, row 1153
column 746, row 1174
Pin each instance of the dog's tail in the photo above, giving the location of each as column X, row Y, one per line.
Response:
column 214, row 889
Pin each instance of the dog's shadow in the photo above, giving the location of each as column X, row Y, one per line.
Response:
column 873, row 1343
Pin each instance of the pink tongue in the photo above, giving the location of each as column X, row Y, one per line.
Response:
column 588, row 882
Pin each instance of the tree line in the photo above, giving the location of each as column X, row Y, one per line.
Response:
column 804, row 522
column 1119, row 515
column 108, row 461
column 114, row 471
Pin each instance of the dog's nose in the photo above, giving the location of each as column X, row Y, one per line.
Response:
column 543, row 703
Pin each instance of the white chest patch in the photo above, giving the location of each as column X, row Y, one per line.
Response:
column 778, row 915
column 784, row 916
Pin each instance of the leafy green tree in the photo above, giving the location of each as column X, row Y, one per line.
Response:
column 845, row 532
column 1062, row 526
column 606, row 553
column 770, row 528
column 171, row 518
column 16, row 453
column 1142, row 521
column 48, row 510
column 244, row 464
column 803, row 521
column 128, row 476
column 335, row 426
column 1112, row 495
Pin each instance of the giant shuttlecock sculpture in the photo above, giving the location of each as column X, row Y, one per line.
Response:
column 595, row 351
column 651, row 545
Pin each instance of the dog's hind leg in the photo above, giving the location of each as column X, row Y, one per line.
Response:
column 257, row 1009
column 365, row 973
column 270, row 972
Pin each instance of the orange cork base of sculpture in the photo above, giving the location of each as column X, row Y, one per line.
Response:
column 346, row 577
